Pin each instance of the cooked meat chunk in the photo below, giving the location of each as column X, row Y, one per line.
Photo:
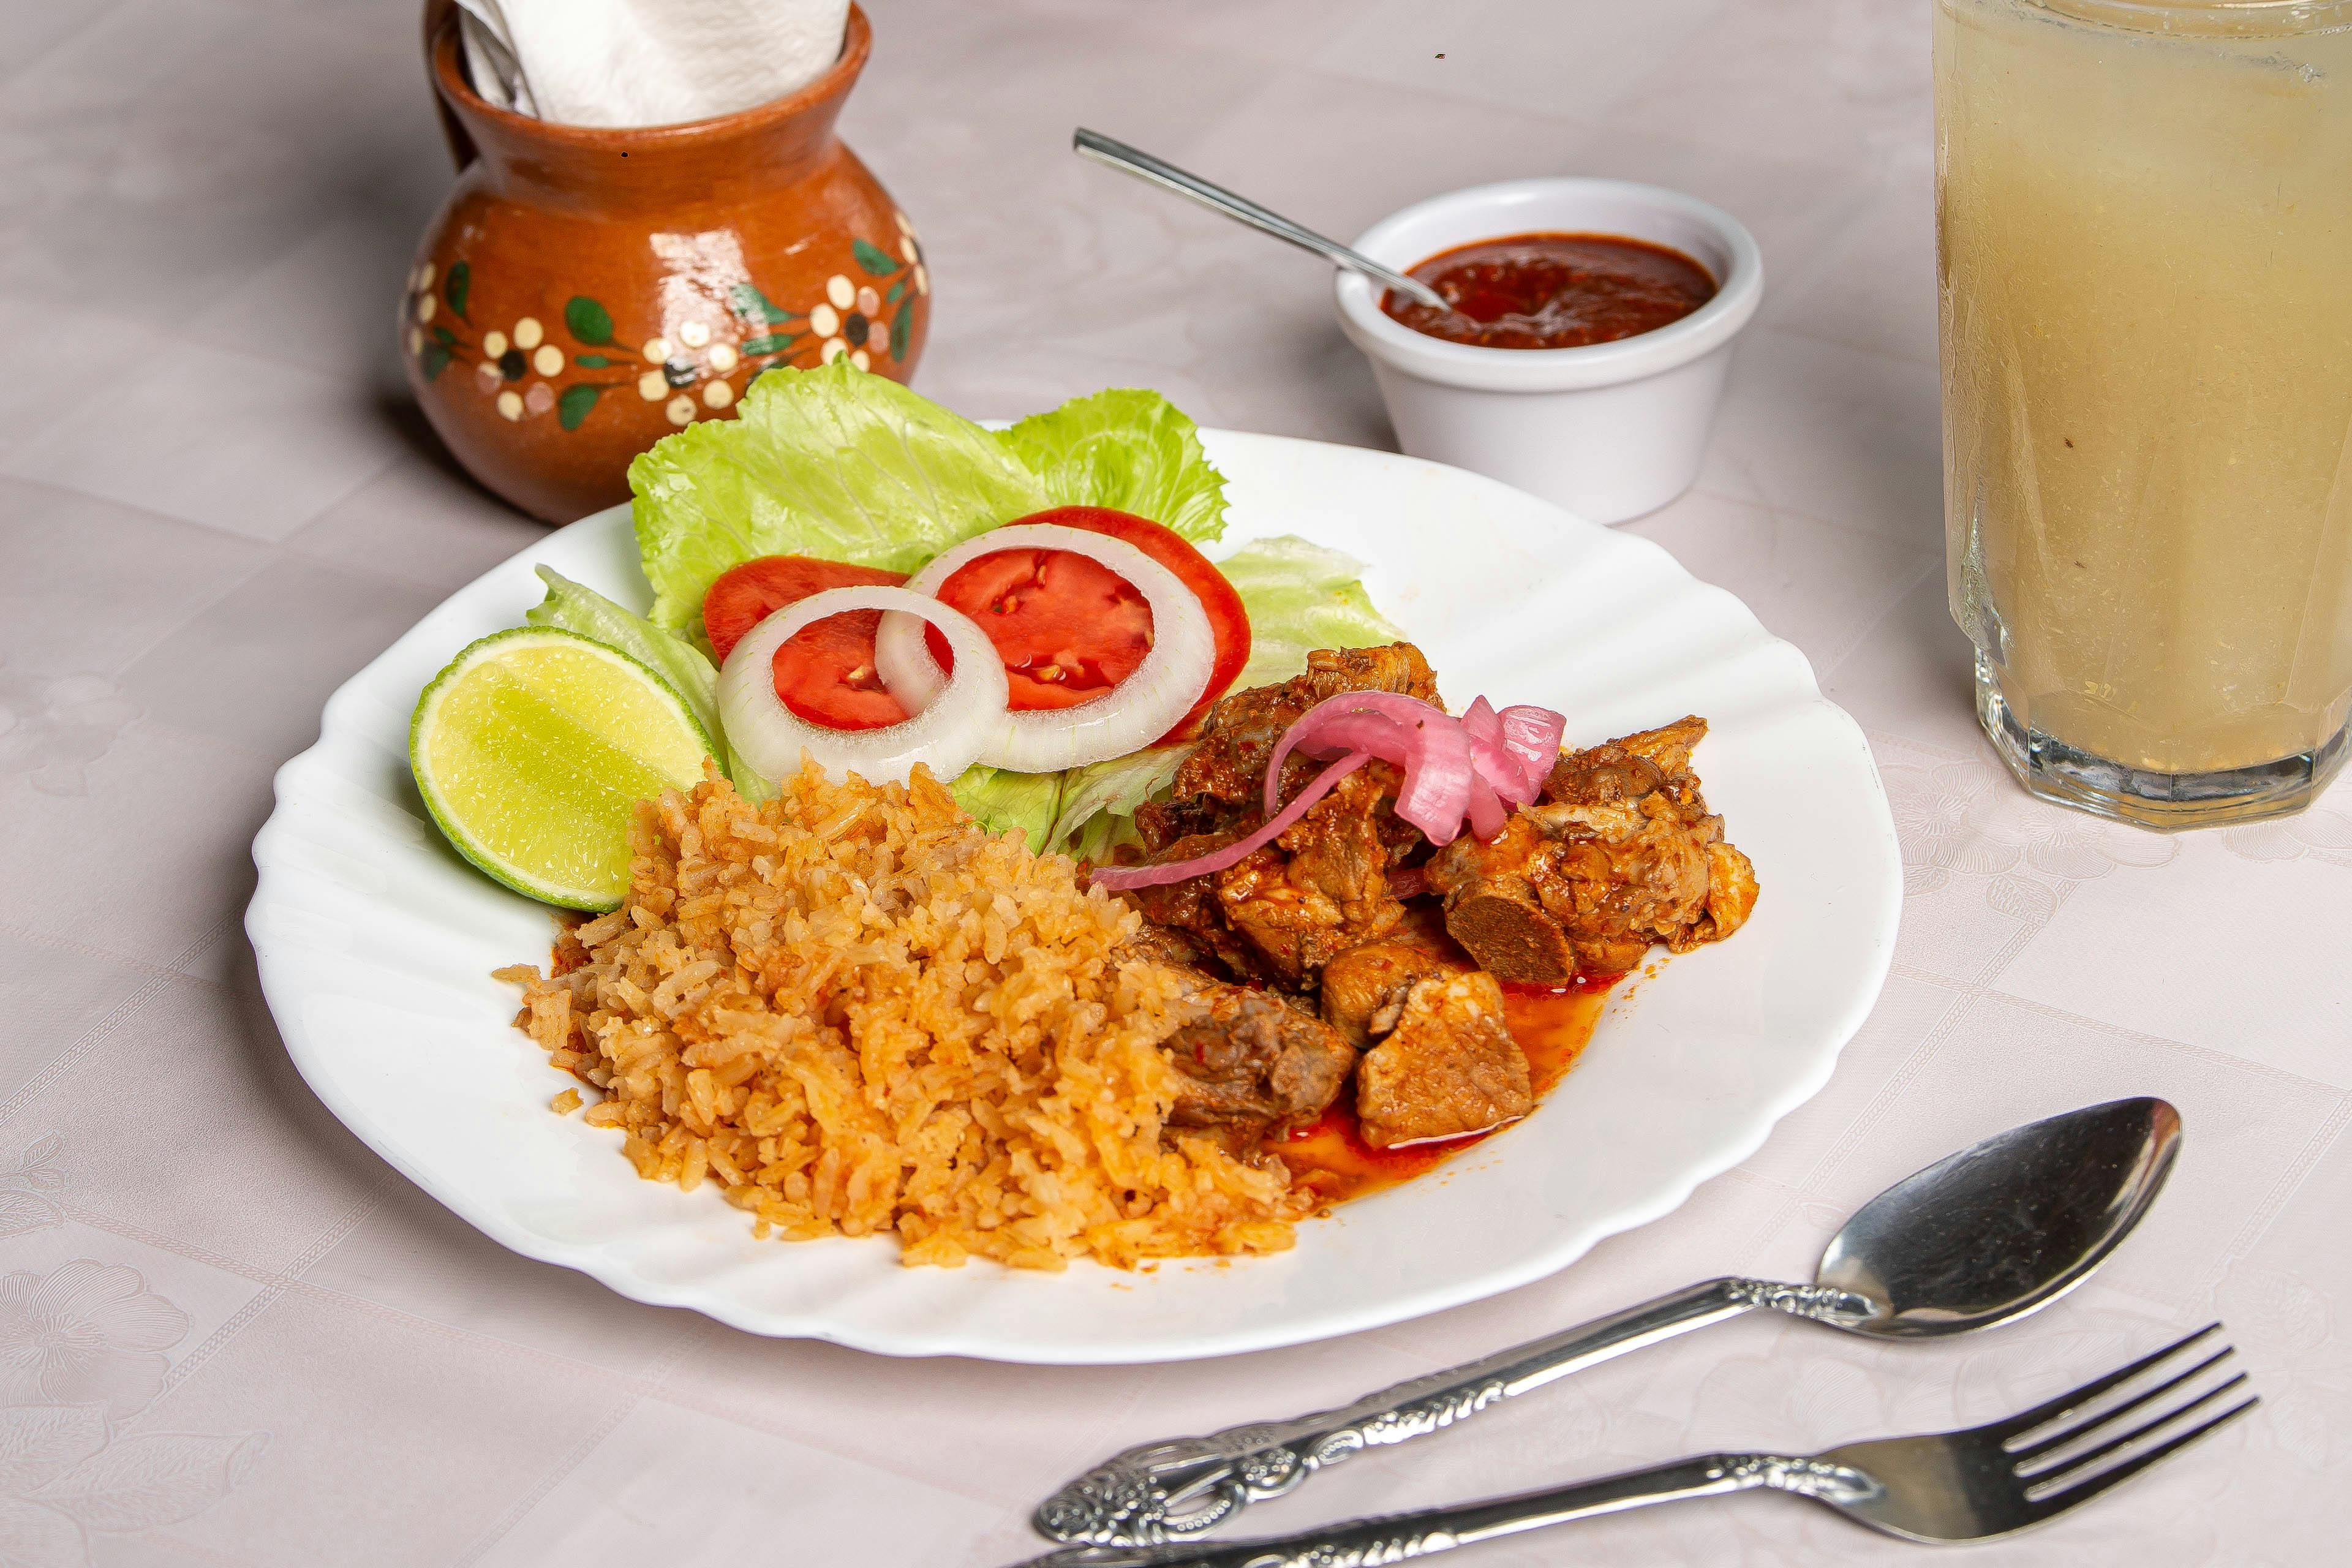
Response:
column 1620, row 853
column 1322, row 887
column 1291, row 930
column 1730, row 897
column 1605, row 775
column 1340, row 848
column 1620, row 877
column 1494, row 912
column 1266, row 917
column 1190, row 908
column 1252, row 1065
column 1169, row 945
column 1632, row 768
column 1666, row 747
column 1384, row 957
column 1319, row 889
column 1450, row 1066
column 1364, row 988
column 1238, row 737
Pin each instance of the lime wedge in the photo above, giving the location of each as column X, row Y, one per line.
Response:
column 529, row 751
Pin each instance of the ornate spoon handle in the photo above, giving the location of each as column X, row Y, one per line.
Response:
column 1399, row 1538
column 1163, row 1491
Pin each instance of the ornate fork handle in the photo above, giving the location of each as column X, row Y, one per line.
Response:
column 1399, row 1538
column 1167, row 1492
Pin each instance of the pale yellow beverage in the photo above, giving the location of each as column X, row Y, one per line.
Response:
column 2145, row 261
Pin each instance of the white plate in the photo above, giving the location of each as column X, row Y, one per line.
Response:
column 376, row 944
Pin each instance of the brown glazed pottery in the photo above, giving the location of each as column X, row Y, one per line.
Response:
column 584, row 292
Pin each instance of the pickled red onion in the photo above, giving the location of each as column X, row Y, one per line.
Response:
column 1474, row 767
column 1532, row 734
column 1429, row 744
column 1486, row 811
column 1515, row 748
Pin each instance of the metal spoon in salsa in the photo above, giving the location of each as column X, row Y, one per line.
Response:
column 1553, row 291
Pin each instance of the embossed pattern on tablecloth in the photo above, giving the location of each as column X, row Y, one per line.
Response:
column 229, row 1334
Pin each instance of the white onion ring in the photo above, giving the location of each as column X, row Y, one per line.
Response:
column 947, row 736
column 1126, row 718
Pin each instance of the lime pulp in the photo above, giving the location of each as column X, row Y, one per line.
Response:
column 533, row 747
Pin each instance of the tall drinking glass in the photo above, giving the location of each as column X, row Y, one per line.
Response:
column 2144, row 263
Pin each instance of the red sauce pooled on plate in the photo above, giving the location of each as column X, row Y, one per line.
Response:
column 1554, row 291
column 1330, row 1155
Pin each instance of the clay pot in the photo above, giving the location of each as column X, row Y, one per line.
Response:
column 585, row 292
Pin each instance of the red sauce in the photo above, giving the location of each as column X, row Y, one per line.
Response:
column 1554, row 291
column 1330, row 1155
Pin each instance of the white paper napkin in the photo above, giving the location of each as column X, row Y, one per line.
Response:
column 646, row 62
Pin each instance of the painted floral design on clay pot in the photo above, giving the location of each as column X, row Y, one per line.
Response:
column 584, row 292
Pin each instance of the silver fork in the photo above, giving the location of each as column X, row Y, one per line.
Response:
column 1975, row 1485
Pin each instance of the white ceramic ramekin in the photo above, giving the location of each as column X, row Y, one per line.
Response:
column 1609, row 431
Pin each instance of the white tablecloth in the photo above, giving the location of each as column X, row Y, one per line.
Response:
column 230, row 1335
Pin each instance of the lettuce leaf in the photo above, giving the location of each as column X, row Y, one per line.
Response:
column 1300, row 597
column 1002, row 801
column 1129, row 449
column 1099, row 800
column 1084, row 812
column 846, row 465
column 575, row 607
column 832, row 462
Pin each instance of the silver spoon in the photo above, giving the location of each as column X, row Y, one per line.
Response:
column 1144, row 166
column 1980, row 1238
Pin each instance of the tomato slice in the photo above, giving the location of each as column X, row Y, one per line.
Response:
column 1069, row 628
column 824, row 673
